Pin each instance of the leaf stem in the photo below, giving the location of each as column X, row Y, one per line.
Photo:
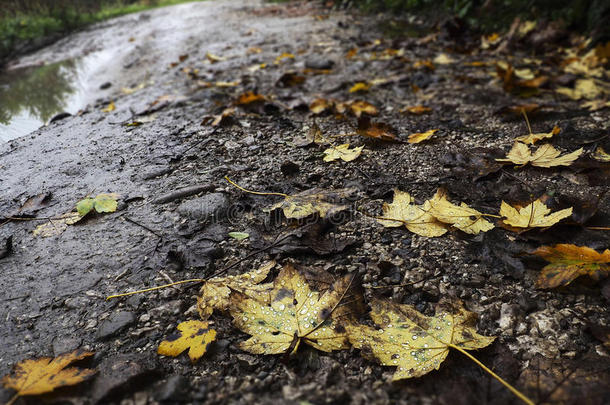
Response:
column 512, row 389
column 252, row 192
column 527, row 121
column 193, row 280
column 13, row 399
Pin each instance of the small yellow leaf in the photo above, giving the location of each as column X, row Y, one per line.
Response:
column 601, row 155
column 416, row 110
column 568, row 262
column 533, row 215
column 248, row 98
column 214, row 58
column 283, row 56
column 545, row 156
column 362, row 107
column 320, row 105
column 533, row 138
column 39, row 376
column 419, row 137
column 57, row 226
column 443, row 59
column 342, row 152
column 360, row 86
column 109, row 108
column 415, row 218
column 193, row 335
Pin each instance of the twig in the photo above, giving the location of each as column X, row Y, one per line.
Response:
column 142, row 226
column 252, row 192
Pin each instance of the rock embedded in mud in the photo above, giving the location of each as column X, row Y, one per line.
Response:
column 318, row 62
column 211, row 206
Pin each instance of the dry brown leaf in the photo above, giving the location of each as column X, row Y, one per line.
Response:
column 314, row 201
column 378, row 130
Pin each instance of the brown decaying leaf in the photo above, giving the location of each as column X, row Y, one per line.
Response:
column 314, row 201
column 568, row 262
column 416, row 110
column 249, row 97
column 378, row 130
column 296, row 314
column 39, row 376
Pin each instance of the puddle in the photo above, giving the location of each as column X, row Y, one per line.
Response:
column 30, row 97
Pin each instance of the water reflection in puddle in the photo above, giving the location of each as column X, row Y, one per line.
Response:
column 30, row 97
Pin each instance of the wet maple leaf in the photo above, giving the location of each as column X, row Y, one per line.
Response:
column 421, row 136
column 416, row 344
column 215, row 293
column 314, row 201
column 532, row 215
column 57, row 226
column 102, row 203
column 545, row 156
column 378, row 130
column 531, row 139
column 460, row 216
column 193, row 335
column 415, row 218
column 39, row 376
column 601, row 155
column 568, row 262
column 295, row 314
column 342, row 152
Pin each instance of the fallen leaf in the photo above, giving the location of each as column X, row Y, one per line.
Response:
column 421, row 136
column 282, row 57
column 359, row 107
column 488, row 41
column 460, row 216
column 596, row 105
column 320, row 105
column 314, row 136
column 109, row 108
column 585, row 88
column 415, row 218
column 290, row 79
column 39, row 376
column 57, row 226
column 295, row 314
column 377, row 130
column 443, row 59
column 104, row 202
column 568, row 262
column 416, row 344
column 416, row 110
column 225, row 116
column 214, row 58
column 314, row 201
column 215, row 292
column 342, row 152
column 194, row 335
column 545, row 156
column 533, row 215
column 248, row 98
column 601, row 155
column 360, row 86
column 424, row 64
column 531, row 139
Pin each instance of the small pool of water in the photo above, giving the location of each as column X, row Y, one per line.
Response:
column 31, row 96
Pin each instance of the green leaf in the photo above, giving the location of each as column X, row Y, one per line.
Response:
column 239, row 235
column 85, row 206
column 106, row 202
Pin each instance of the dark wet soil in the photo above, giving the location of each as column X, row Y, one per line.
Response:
column 176, row 210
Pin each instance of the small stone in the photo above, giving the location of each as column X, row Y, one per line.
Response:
column 209, row 206
column 115, row 323
column 64, row 344
column 105, row 86
column 318, row 62
column 172, row 389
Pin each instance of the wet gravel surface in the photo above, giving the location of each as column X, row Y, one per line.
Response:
column 176, row 210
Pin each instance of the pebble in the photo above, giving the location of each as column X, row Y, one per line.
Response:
column 115, row 323
column 212, row 205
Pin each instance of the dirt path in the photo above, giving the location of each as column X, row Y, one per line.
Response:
column 54, row 288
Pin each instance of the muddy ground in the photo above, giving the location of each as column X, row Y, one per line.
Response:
column 53, row 289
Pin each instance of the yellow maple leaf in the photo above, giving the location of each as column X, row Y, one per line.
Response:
column 421, row 136
column 284, row 55
column 215, row 293
column 194, row 335
column 545, row 156
column 532, row 215
column 214, row 58
column 342, row 152
column 39, row 376
column 415, row 218
column 314, row 201
column 57, row 226
column 567, row 262
column 460, row 216
column 249, row 97
column 320, row 105
column 585, row 88
column 296, row 314
column 359, row 107
column 443, row 59
column 417, row 110
column 416, row 344
column 531, row 139
column 360, row 86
